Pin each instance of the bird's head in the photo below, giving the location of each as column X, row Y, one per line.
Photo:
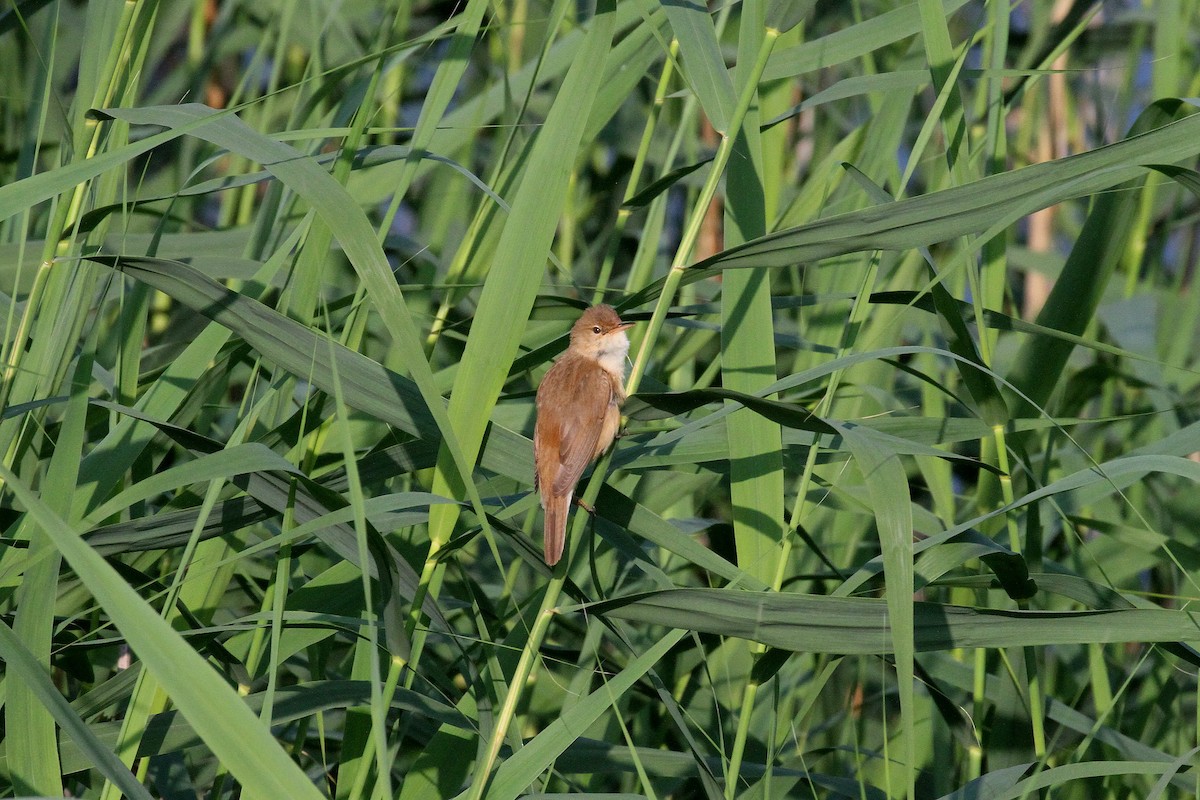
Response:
column 600, row 335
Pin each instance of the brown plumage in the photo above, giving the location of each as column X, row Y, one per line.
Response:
column 578, row 411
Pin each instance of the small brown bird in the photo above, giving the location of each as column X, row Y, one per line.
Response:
column 578, row 411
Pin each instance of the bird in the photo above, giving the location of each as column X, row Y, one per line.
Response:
column 578, row 413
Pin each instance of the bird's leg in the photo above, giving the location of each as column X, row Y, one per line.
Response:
column 579, row 502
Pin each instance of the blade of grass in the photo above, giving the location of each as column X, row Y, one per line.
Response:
column 702, row 66
column 29, row 723
column 350, row 226
column 1100, row 248
column 989, row 204
column 748, row 355
column 20, row 662
column 860, row 625
column 214, row 709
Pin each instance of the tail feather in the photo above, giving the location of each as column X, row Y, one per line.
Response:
column 556, row 509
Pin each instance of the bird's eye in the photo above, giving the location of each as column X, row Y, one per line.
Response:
column 595, row 329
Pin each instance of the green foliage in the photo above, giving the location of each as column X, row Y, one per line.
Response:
column 279, row 282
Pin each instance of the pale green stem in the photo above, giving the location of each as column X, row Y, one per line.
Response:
column 1014, row 537
column 690, row 233
column 635, row 174
column 739, row 741
column 534, row 645
column 428, row 584
column 748, row 93
column 858, row 314
column 979, row 703
column 524, row 667
column 67, row 215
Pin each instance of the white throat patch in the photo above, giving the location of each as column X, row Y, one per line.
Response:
column 613, row 352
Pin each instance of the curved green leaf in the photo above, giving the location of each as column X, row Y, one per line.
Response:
column 219, row 716
column 859, row 625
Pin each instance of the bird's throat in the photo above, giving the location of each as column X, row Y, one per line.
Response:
column 612, row 354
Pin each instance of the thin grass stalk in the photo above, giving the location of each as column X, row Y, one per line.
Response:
column 65, row 215
column 148, row 697
column 529, row 654
column 988, row 292
column 944, row 69
column 644, row 782
column 274, row 606
column 748, row 356
column 282, row 576
column 356, row 754
column 991, row 285
column 1033, row 678
column 378, row 706
column 1167, row 54
column 979, row 674
column 14, row 354
column 692, row 230
column 437, row 100
column 429, row 586
column 382, row 689
column 643, row 263
column 457, row 270
column 994, row 264
column 564, row 238
column 501, row 174
column 260, row 111
column 738, row 752
column 941, row 104
column 858, row 314
column 393, row 81
column 635, row 173
column 313, row 258
column 33, row 749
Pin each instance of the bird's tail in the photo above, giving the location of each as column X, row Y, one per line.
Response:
column 556, row 509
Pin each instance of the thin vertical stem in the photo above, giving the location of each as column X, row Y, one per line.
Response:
column 692, row 230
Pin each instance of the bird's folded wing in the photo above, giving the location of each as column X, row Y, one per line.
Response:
column 579, row 424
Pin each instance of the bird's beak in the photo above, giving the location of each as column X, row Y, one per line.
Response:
column 624, row 326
